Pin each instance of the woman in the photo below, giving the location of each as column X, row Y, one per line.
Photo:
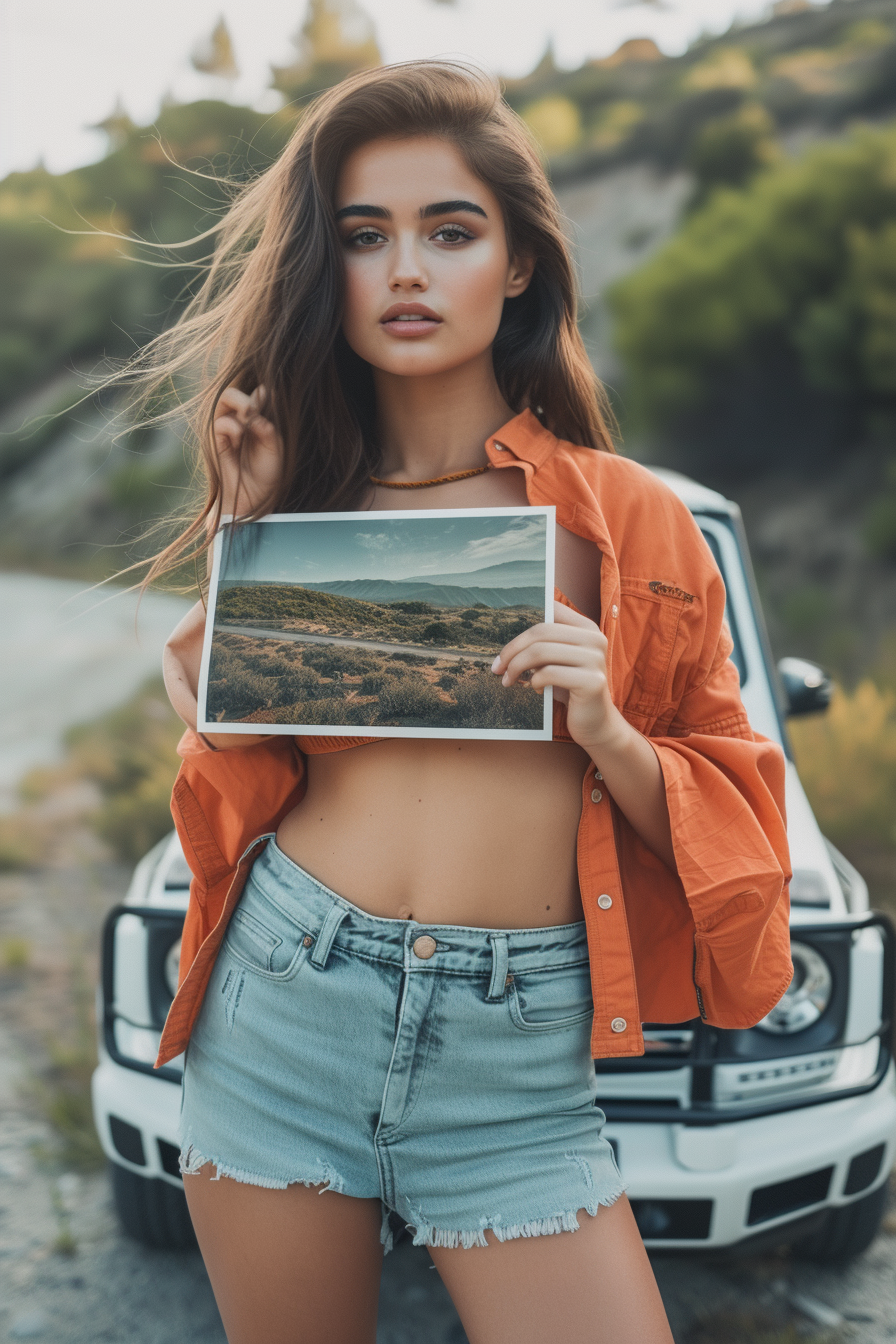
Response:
column 434, row 938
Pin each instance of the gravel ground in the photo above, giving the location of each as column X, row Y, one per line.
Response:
column 68, row 1275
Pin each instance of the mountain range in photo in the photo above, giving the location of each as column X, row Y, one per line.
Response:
column 509, row 584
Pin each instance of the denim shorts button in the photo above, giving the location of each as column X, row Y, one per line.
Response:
column 424, row 946
column 618, row 1024
column 307, row 940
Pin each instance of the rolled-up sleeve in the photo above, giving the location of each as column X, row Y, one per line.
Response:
column 725, row 793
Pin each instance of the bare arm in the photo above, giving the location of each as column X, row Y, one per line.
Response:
column 250, row 457
column 570, row 655
column 634, row 777
column 180, row 667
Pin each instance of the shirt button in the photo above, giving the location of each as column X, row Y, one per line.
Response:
column 307, row 940
column 614, row 610
column 500, row 447
column 596, row 795
column 598, row 775
column 424, row 946
column 605, row 901
column 618, row 1024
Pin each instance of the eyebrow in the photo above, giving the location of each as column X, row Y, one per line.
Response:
column 426, row 211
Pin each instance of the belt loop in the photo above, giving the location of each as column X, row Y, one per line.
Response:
column 325, row 938
column 499, row 966
column 268, row 835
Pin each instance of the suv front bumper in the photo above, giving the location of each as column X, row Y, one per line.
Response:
column 691, row 1187
column 715, row 1186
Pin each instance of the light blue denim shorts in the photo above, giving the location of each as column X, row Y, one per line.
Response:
column 441, row 1069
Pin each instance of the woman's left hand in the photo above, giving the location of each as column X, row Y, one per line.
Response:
column 569, row 654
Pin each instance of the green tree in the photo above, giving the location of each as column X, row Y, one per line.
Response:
column 70, row 297
column 336, row 39
column 215, row 55
column 729, row 151
column 785, row 290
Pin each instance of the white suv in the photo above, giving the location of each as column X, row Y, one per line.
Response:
column 781, row 1133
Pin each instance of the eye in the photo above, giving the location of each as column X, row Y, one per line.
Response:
column 453, row 234
column 366, row 236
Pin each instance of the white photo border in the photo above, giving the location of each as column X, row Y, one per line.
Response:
column 543, row 734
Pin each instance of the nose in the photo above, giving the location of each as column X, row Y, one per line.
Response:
column 407, row 272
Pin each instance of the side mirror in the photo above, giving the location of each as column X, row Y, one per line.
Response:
column 807, row 687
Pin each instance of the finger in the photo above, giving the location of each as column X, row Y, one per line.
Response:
column 235, row 401
column 565, row 678
column 564, row 615
column 544, row 652
column 588, row 635
column 264, row 431
column 231, row 431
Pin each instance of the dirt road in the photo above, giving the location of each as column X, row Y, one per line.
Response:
column 378, row 646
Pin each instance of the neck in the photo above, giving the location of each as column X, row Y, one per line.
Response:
column 434, row 425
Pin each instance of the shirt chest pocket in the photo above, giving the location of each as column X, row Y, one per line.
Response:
column 651, row 612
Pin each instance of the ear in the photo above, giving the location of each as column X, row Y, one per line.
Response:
column 518, row 276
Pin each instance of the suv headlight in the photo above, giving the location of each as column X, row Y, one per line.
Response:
column 807, row 996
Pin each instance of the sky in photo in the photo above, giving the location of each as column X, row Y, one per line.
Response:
column 64, row 64
column 373, row 547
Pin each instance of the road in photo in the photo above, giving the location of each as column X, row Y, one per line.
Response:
column 344, row 621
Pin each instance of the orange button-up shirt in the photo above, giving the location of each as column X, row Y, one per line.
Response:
column 710, row 940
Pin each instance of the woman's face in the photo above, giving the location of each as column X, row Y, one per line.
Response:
column 426, row 262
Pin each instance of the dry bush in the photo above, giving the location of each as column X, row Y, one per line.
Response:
column 131, row 755
column 410, row 697
column 483, row 702
column 847, row 762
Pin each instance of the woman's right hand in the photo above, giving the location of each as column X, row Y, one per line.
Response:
column 250, row 451
column 181, row 662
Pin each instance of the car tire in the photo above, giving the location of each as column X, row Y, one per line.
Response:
column 152, row 1211
column 846, row 1232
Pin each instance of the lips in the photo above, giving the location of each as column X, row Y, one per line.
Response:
column 410, row 319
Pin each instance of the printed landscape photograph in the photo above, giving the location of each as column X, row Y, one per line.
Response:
column 380, row 625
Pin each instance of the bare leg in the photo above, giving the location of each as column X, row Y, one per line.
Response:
column 294, row 1266
column 593, row 1286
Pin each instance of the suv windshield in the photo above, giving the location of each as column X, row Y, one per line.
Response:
column 737, row 655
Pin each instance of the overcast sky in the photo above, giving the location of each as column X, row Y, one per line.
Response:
column 310, row 551
column 63, row 63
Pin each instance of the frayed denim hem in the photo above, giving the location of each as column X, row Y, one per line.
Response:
column 427, row 1235
column 192, row 1161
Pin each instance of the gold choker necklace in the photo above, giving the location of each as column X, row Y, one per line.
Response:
column 439, row 480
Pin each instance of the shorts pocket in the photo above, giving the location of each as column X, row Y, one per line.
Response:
column 265, row 940
column 551, row 1000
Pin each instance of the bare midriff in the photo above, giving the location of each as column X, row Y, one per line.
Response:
column 466, row 832
column 476, row 833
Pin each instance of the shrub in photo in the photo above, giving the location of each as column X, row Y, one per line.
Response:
column 482, row 700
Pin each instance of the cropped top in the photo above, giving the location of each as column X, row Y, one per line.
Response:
column 709, row 938
column 319, row 745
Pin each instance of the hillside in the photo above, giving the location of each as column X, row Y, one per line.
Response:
column 637, row 144
column 291, row 607
column 437, row 595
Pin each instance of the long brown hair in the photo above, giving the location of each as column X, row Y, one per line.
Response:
column 269, row 310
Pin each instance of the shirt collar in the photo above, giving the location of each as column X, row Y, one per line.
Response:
column 525, row 437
